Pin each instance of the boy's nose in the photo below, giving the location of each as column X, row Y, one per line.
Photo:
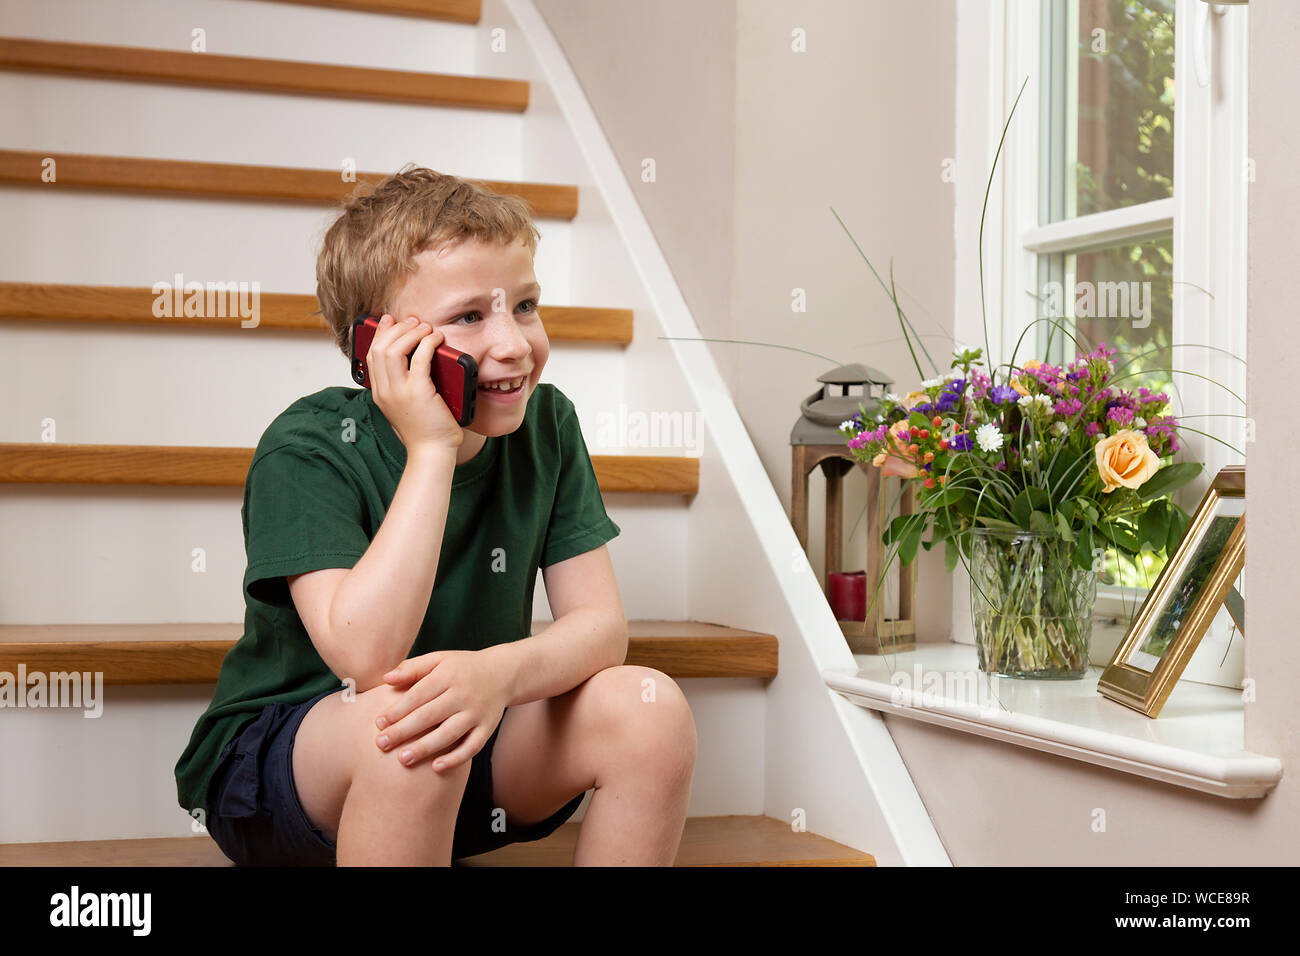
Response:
column 507, row 338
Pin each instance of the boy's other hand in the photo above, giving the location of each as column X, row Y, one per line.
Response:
column 452, row 694
column 407, row 396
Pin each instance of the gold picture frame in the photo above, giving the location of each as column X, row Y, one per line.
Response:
column 1187, row 595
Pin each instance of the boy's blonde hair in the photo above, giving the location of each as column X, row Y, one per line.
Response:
column 369, row 251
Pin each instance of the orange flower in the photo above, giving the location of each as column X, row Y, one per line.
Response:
column 896, row 464
column 1029, row 364
column 1125, row 459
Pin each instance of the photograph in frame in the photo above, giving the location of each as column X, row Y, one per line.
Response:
column 1185, row 598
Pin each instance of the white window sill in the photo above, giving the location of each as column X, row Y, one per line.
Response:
column 1196, row 742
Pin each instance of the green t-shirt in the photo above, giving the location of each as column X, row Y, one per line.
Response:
column 317, row 490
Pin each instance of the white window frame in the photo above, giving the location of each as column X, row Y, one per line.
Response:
column 1210, row 162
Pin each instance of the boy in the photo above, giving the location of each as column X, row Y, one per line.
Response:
column 386, row 704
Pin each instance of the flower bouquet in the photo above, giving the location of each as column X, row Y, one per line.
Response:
column 1030, row 481
column 1028, row 475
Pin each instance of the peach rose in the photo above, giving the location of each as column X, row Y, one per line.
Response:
column 1125, row 459
column 895, row 464
column 912, row 399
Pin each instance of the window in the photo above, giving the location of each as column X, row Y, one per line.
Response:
column 1120, row 203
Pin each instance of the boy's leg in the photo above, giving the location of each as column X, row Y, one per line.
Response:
column 376, row 809
column 633, row 741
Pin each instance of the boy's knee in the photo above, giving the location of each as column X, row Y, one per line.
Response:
column 386, row 765
column 647, row 709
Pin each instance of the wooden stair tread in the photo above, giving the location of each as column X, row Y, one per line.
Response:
column 264, row 75
column 706, row 841
column 55, row 302
column 209, row 466
column 237, row 181
column 192, row 653
column 455, row 11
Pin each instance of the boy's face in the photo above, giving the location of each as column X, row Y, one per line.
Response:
column 499, row 326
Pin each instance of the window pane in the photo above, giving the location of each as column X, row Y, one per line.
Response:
column 1106, row 108
column 1121, row 295
column 1125, row 146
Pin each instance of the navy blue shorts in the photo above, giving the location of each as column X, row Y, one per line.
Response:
column 256, row 819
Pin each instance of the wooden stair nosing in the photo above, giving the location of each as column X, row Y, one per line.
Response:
column 58, row 302
column 706, row 841
column 453, row 11
column 192, row 653
column 191, row 465
column 235, row 180
column 213, row 70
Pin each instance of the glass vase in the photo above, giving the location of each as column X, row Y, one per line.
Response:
column 1031, row 606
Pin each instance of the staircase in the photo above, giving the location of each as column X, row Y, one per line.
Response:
column 122, row 551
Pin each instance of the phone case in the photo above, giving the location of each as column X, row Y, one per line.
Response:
column 454, row 373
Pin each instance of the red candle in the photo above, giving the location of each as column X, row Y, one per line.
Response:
column 847, row 592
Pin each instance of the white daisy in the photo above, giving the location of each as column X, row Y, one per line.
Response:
column 1042, row 402
column 989, row 437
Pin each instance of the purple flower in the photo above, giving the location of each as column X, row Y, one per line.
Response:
column 1002, row 394
column 961, row 442
column 1162, row 430
column 1119, row 413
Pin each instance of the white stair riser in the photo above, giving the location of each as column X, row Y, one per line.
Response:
column 145, row 385
column 111, row 777
column 161, row 121
column 118, row 238
column 129, row 556
column 273, row 30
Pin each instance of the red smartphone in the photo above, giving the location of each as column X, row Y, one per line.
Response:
column 455, row 373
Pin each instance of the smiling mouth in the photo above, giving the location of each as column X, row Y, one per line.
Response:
column 504, row 386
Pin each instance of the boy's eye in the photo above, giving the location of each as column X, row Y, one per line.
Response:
column 528, row 302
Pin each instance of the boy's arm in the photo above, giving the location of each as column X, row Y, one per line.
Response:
column 368, row 625
column 589, row 633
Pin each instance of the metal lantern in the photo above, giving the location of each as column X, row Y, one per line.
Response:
column 816, row 440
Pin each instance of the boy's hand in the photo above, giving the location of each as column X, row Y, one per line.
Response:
column 453, row 694
column 407, row 396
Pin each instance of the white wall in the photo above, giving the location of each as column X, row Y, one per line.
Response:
column 753, row 143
